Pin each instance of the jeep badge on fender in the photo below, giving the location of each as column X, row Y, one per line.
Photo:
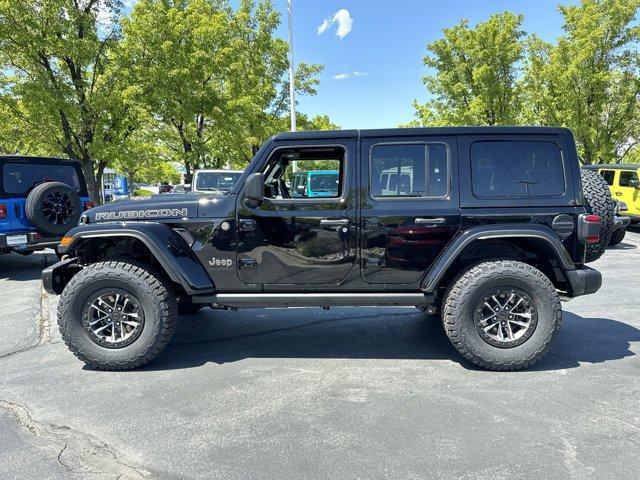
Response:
column 434, row 218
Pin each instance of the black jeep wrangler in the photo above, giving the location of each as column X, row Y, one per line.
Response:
column 488, row 226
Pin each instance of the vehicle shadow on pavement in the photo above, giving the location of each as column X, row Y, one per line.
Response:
column 16, row 267
column 223, row 337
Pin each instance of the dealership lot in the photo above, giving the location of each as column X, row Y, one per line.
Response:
column 345, row 393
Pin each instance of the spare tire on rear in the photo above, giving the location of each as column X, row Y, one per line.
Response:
column 53, row 208
column 599, row 201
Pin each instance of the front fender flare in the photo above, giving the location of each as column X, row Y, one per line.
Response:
column 168, row 247
column 438, row 270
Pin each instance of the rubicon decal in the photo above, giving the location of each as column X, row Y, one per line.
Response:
column 141, row 214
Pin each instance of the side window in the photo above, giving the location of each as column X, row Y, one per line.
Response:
column 409, row 170
column 608, row 176
column 516, row 169
column 626, row 177
column 301, row 173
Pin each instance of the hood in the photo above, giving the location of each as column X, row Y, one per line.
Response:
column 165, row 207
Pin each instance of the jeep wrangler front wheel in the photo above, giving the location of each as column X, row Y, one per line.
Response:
column 116, row 316
column 502, row 315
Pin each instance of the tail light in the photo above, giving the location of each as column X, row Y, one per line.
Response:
column 3, row 211
column 88, row 205
column 589, row 228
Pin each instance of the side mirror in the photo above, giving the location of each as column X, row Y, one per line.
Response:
column 254, row 188
column 634, row 183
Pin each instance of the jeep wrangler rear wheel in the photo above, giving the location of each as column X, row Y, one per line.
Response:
column 116, row 316
column 502, row 315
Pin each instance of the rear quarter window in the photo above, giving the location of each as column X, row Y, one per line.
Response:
column 517, row 169
column 20, row 178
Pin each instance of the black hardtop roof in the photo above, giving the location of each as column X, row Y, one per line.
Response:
column 18, row 158
column 613, row 166
column 416, row 132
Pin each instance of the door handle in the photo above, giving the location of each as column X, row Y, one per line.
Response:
column 327, row 222
column 618, row 194
column 429, row 221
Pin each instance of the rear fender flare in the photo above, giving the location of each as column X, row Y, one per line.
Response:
column 455, row 249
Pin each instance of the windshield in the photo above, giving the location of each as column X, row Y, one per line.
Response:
column 324, row 183
column 216, row 180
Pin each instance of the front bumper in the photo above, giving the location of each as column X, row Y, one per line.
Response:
column 56, row 276
column 584, row 281
column 34, row 241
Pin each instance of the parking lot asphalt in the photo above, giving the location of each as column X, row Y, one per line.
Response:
column 350, row 393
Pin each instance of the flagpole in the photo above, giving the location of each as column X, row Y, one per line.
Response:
column 292, row 86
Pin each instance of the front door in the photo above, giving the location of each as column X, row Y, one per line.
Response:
column 302, row 235
column 410, row 207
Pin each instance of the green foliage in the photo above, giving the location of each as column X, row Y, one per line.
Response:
column 589, row 80
column 55, row 57
column 475, row 73
column 141, row 192
column 190, row 81
column 212, row 77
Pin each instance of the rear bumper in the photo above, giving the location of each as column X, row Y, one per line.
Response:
column 34, row 241
column 584, row 281
column 621, row 222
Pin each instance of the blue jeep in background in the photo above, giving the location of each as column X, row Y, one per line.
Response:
column 315, row 183
column 40, row 200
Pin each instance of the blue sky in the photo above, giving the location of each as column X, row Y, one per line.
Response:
column 385, row 46
column 381, row 55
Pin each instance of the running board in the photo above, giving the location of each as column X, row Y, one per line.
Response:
column 284, row 300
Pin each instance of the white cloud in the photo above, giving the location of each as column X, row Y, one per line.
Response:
column 324, row 25
column 343, row 18
column 344, row 76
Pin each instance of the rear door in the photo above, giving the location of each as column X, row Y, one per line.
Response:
column 409, row 209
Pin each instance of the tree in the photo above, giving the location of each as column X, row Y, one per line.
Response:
column 212, row 77
column 476, row 71
column 56, row 55
column 589, row 81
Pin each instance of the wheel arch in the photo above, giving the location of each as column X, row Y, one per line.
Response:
column 157, row 243
column 536, row 245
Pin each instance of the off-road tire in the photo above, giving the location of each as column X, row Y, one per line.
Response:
column 467, row 289
column 35, row 203
column 156, row 299
column 598, row 198
column 617, row 236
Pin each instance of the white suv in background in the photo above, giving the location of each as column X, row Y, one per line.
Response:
column 212, row 181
